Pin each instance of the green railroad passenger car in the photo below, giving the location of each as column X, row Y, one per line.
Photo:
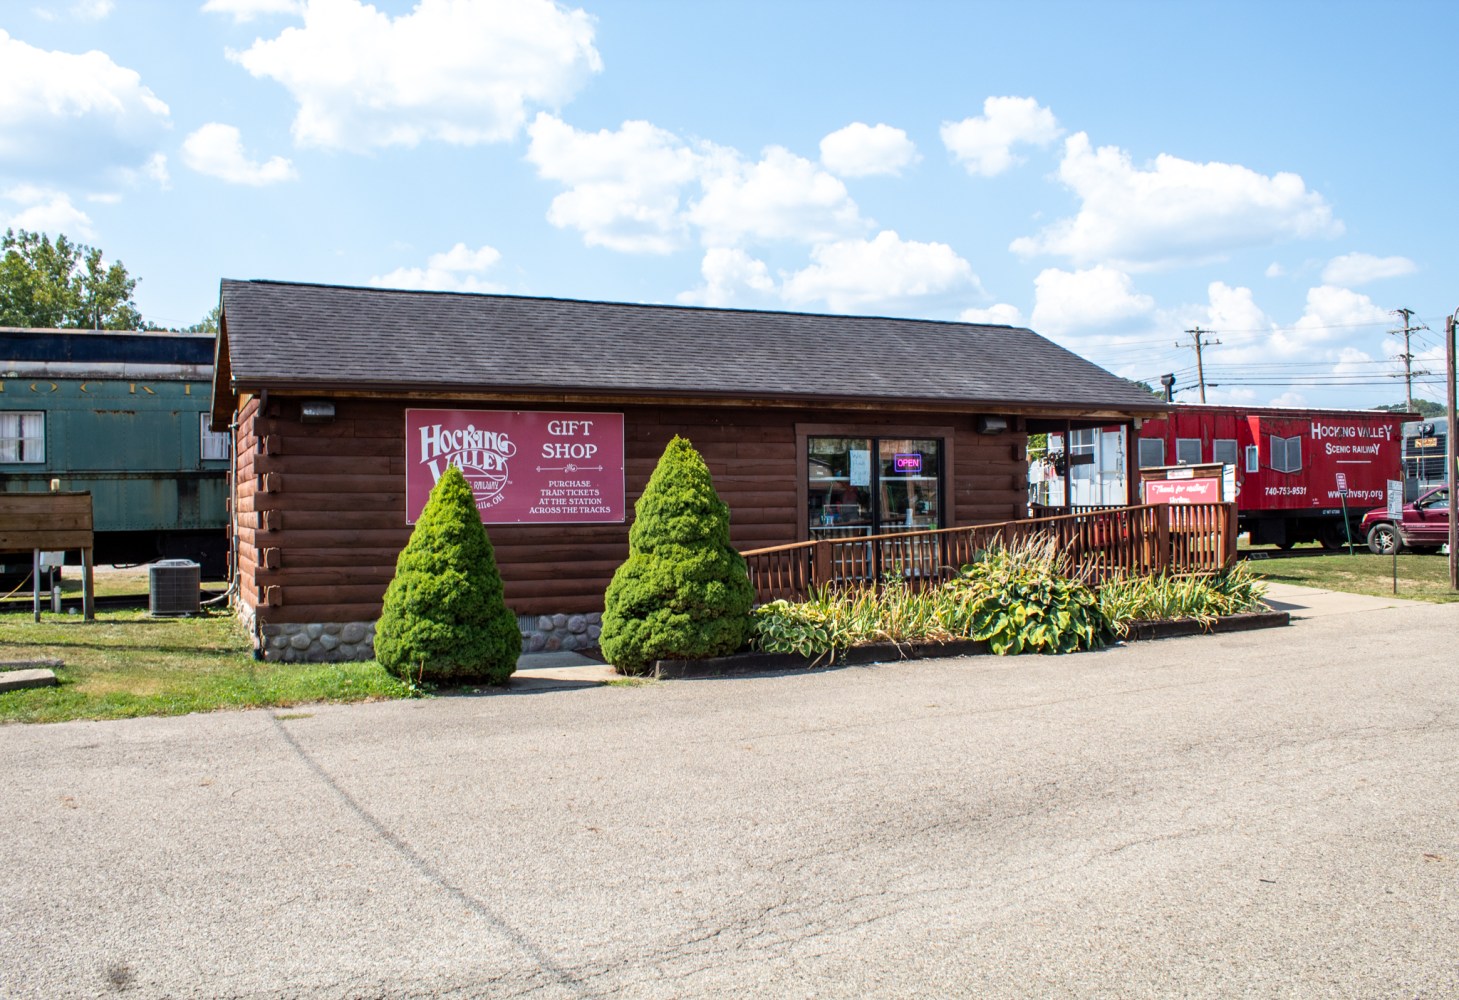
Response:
column 124, row 416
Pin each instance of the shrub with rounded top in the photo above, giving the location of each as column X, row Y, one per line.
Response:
column 684, row 592
column 444, row 619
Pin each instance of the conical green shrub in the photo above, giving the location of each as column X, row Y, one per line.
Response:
column 684, row 593
column 444, row 619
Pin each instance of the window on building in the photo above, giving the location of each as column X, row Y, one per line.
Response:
column 865, row 485
column 1152, row 452
column 23, row 437
column 213, row 445
column 1286, row 453
column 1081, row 453
column 1187, row 451
column 1223, row 450
column 1253, row 459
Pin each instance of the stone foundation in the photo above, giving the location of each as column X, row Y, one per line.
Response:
column 334, row 642
column 319, row 642
column 549, row 633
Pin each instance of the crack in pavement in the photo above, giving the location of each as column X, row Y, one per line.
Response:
column 426, row 869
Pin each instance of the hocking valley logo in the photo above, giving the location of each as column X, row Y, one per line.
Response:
column 481, row 456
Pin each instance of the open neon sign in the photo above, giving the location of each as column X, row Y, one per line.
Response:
column 907, row 463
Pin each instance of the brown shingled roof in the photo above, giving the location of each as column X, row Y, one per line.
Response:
column 282, row 335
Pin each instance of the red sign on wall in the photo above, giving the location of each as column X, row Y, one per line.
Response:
column 1182, row 491
column 525, row 467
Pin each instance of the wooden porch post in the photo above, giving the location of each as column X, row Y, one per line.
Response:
column 1162, row 538
column 1132, row 465
column 821, row 565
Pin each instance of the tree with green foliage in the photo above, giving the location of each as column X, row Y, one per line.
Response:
column 1425, row 408
column 684, row 592
column 63, row 285
column 209, row 323
column 444, row 619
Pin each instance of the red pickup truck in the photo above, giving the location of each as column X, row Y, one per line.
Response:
column 1424, row 525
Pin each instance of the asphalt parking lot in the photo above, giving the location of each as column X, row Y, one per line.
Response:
column 1258, row 814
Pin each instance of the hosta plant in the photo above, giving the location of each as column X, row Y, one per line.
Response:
column 1019, row 599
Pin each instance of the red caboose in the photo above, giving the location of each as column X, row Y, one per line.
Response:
column 1293, row 466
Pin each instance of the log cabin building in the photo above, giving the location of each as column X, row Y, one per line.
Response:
column 345, row 403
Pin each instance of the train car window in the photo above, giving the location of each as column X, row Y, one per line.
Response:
column 1223, row 450
column 1253, row 458
column 213, row 445
column 23, row 437
column 1152, row 452
column 1187, row 451
column 1286, row 453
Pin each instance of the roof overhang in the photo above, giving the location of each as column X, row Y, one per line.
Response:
column 228, row 391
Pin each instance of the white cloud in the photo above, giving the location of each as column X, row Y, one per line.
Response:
column 1234, row 309
column 156, row 169
column 1091, row 299
column 454, row 72
column 81, row 10
column 92, row 10
column 1334, row 312
column 457, row 270
column 624, row 186
column 46, row 211
column 1001, row 314
column 1275, row 270
column 1361, row 268
column 1176, row 211
column 730, row 274
column 247, row 10
column 641, row 189
column 861, row 150
column 217, row 151
column 1290, row 398
column 69, row 114
column 851, row 275
column 984, row 145
column 780, row 197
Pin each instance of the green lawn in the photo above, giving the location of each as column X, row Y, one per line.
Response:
column 107, row 581
column 126, row 664
column 1420, row 577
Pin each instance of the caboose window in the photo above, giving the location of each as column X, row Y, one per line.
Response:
column 1187, row 451
column 1286, row 453
column 1152, row 452
column 1223, row 450
column 23, row 437
column 213, row 446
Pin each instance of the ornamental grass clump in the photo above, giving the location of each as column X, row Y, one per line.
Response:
column 1020, row 598
column 444, row 619
column 684, row 592
column 832, row 621
column 1167, row 598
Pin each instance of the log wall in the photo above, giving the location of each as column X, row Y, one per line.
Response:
column 320, row 516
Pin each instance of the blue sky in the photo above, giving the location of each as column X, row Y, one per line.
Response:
column 1111, row 174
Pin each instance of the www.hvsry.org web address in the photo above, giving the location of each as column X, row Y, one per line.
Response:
column 1374, row 495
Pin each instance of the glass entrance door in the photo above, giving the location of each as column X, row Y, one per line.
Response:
column 910, row 475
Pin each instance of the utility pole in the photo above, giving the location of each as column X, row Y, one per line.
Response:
column 1407, row 356
column 1451, row 450
column 1196, row 334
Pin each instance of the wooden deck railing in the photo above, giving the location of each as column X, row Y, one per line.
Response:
column 1149, row 539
